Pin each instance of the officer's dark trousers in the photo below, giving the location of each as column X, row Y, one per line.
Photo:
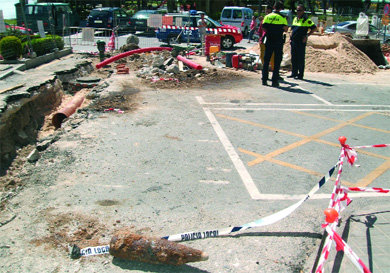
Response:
column 298, row 50
column 271, row 47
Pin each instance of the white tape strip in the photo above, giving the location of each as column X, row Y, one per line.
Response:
column 95, row 250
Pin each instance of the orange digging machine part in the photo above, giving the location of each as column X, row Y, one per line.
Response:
column 130, row 246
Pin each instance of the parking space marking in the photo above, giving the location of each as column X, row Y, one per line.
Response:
column 237, row 162
column 243, row 172
column 269, row 157
column 374, row 174
column 321, row 99
column 281, row 163
column 306, row 139
column 335, row 120
column 300, row 109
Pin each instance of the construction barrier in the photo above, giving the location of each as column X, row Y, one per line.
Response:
column 212, row 40
column 84, row 39
column 338, row 202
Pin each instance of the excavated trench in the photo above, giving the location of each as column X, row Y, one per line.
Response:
column 25, row 112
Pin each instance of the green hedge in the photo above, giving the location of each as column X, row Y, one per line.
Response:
column 42, row 46
column 11, row 48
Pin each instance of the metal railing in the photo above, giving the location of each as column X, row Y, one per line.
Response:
column 84, row 39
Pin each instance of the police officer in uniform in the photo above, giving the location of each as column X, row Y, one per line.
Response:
column 301, row 28
column 274, row 24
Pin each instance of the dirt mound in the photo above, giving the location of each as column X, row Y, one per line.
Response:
column 335, row 54
column 329, row 54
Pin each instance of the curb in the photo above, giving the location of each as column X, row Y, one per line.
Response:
column 26, row 64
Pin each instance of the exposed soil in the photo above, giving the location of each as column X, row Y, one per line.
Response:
column 330, row 54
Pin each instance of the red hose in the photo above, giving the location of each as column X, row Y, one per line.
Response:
column 189, row 63
column 131, row 52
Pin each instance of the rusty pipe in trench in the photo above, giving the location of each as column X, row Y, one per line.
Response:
column 67, row 111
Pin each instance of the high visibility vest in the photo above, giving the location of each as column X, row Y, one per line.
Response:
column 275, row 19
column 302, row 22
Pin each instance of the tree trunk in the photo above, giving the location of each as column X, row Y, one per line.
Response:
column 171, row 5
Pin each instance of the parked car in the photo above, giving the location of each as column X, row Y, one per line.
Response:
column 237, row 16
column 138, row 22
column 51, row 15
column 21, row 29
column 289, row 16
column 109, row 18
column 185, row 28
column 349, row 27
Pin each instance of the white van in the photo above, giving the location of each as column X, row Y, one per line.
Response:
column 237, row 16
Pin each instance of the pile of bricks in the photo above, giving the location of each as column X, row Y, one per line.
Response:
column 122, row 69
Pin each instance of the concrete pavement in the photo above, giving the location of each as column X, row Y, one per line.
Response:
column 364, row 228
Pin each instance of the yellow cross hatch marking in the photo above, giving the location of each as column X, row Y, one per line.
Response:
column 306, row 139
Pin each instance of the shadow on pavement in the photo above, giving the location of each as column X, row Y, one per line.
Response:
column 133, row 265
column 317, row 82
column 293, row 88
column 368, row 220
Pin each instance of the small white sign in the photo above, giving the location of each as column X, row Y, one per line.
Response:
column 2, row 24
column 41, row 29
column 329, row 21
column 314, row 20
column 155, row 20
column 88, row 34
column 179, row 21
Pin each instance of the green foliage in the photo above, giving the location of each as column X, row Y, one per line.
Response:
column 12, row 32
column 10, row 48
column 58, row 40
column 11, row 21
column 42, row 46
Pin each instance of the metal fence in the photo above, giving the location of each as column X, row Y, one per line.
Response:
column 84, row 39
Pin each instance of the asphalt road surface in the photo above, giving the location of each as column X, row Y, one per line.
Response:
column 200, row 160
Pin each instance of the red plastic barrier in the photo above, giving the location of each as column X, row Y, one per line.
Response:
column 131, row 52
column 212, row 40
column 236, row 61
column 189, row 63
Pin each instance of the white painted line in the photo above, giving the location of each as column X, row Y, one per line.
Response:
column 265, row 196
column 294, row 104
column 207, row 140
column 217, row 182
column 200, row 100
column 237, row 162
column 299, row 109
column 321, row 99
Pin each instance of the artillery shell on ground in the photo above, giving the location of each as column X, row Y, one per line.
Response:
column 130, row 246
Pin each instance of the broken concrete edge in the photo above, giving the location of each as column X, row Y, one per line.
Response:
column 12, row 103
column 25, row 64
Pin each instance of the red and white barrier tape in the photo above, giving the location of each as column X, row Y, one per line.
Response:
column 342, row 245
column 340, row 200
column 332, row 204
column 361, row 189
column 371, row 146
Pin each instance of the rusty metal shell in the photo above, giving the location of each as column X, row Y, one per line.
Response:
column 130, row 246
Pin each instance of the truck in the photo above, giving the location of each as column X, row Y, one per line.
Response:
column 55, row 16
